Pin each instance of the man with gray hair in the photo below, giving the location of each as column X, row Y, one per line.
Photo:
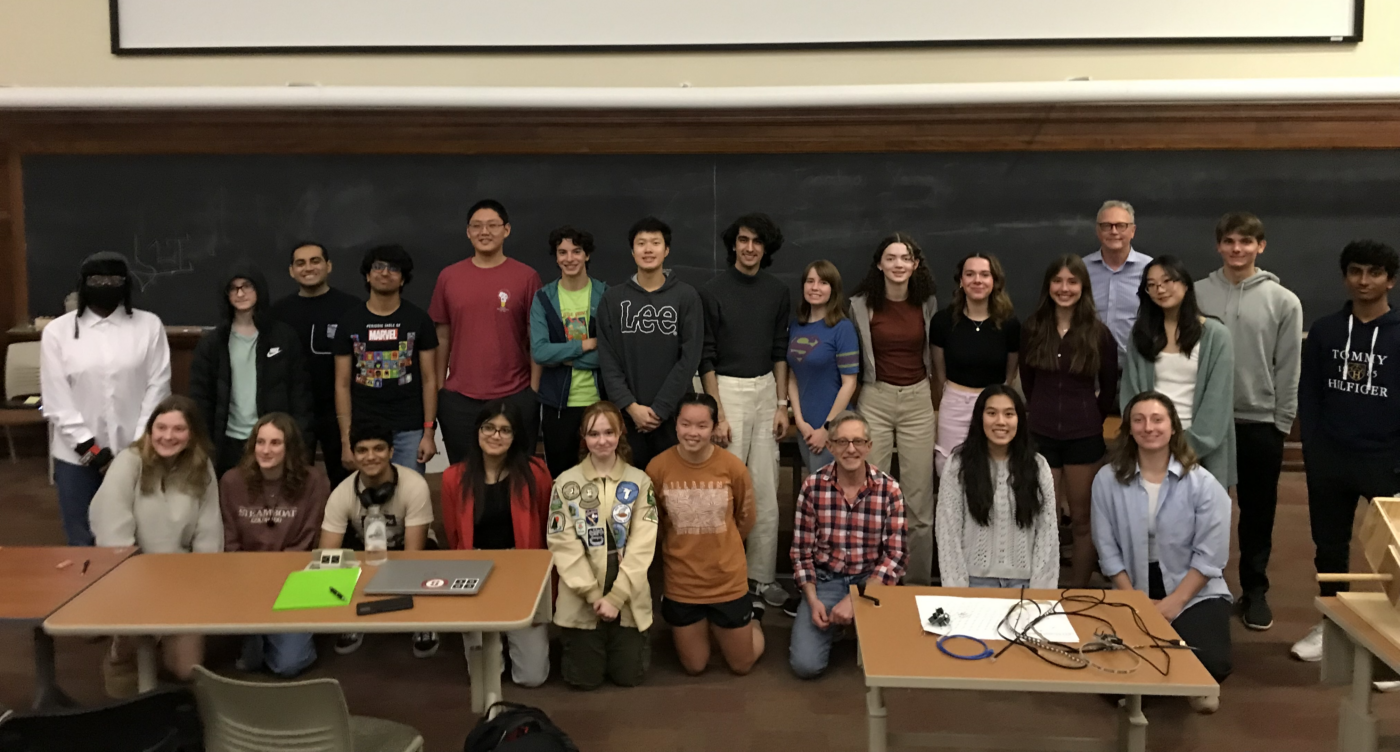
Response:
column 1115, row 271
column 850, row 528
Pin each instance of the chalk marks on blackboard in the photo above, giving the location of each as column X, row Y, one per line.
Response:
column 154, row 259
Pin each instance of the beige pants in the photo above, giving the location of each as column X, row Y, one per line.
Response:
column 901, row 420
column 749, row 406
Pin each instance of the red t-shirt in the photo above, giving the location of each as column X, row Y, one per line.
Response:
column 489, row 312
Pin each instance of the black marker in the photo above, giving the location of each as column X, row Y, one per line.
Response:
column 86, row 564
column 337, row 594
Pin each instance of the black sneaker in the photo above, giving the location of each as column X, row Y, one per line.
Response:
column 425, row 644
column 791, row 604
column 758, row 608
column 348, row 643
column 1255, row 613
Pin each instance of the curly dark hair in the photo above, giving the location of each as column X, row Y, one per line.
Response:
column 763, row 226
column 1370, row 253
column 921, row 284
column 390, row 254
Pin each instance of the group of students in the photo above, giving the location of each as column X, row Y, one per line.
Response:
column 1205, row 375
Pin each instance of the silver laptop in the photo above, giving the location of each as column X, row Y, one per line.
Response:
column 429, row 577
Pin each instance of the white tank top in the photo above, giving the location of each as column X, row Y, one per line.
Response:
column 1176, row 378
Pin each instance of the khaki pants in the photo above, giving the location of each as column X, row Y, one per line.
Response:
column 901, row 418
column 749, row 406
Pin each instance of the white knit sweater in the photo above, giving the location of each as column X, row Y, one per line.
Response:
column 999, row 549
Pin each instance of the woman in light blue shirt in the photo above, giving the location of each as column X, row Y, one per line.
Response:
column 1162, row 525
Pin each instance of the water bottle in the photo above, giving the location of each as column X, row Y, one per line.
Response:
column 376, row 537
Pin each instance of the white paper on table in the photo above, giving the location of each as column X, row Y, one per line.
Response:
column 979, row 617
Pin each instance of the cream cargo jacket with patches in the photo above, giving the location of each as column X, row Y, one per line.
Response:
column 579, row 538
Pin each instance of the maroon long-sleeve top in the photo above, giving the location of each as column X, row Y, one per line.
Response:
column 1065, row 405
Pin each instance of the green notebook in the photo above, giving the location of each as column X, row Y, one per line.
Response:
column 312, row 589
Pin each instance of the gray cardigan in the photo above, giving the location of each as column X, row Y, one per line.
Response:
column 1000, row 549
column 1212, row 431
column 165, row 522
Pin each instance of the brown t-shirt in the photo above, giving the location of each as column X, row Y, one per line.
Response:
column 898, row 340
column 707, row 511
column 272, row 522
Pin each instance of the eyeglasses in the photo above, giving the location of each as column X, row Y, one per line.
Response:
column 243, row 289
column 504, row 432
column 385, row 266
column 1119, row 226
column 105, row 280
column 841, row 444
column 1159, row 286
column 492, row 227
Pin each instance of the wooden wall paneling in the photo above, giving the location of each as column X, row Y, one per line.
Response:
column 14, row 290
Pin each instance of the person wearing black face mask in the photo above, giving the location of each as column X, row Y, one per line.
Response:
column 103, row 368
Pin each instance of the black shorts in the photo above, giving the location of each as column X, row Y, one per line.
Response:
column 1061, row 452
column 727, row 615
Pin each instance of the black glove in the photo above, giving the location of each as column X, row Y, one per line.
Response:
column 93, row 456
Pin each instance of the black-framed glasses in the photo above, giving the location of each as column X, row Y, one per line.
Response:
column 1119, row 226
column 503, row 431
column 385, row 266
column 841, row 444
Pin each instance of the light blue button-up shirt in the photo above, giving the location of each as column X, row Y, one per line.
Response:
column 1193, row 529
column 1115, row 294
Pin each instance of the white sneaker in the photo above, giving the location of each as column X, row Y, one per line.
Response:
column 1309, row 648
column 1205, row 705
column 1386, row 686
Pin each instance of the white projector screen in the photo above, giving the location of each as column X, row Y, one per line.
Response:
column 150, row 26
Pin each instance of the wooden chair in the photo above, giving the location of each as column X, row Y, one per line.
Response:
column 21, row 381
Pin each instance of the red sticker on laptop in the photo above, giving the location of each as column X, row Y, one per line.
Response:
column 434, row 583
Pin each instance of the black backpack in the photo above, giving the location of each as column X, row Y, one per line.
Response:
column 517, row 728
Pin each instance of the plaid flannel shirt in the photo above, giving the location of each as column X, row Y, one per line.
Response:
column 843, row 537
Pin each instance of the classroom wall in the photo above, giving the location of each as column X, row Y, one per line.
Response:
column 67, row 43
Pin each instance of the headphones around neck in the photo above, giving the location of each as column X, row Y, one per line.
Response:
column 379, row 495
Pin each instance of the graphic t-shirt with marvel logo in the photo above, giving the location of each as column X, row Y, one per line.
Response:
column 385, row 354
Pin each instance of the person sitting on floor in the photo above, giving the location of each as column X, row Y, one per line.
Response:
column 274, row 500
column 850, row 528
column 1162, row 525
column 603, row 544
column 160, row 495
column 996, row 519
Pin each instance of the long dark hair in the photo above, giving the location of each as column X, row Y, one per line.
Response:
column 295, row 463
column 517, row 463
column 921, row 286
column 1123, row 455
column 999, row 307
column 1085, row 330
column 1150, row 329
column 975, row 472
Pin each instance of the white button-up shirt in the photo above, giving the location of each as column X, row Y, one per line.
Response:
column 1115, row 294
column 104, row 383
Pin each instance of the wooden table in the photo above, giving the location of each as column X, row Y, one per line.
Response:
column 33, row 586
column 233, row 593
column 1357, row 628
column 895, row 652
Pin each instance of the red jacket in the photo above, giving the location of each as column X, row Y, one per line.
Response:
column 527, row 513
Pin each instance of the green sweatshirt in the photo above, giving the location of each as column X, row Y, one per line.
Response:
column 1212, row 431
column 1265, row 321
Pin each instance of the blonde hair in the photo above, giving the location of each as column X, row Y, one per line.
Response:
column 189, row 470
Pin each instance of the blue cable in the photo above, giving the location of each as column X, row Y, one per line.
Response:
column 986, row 651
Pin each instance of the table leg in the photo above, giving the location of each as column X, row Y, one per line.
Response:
column 1336, row 654
column 1132, row 725
column 47, row 693
column 1357, row 727
column 876, row 720
column 145, row 663
column 476, row 670
column 491, row 669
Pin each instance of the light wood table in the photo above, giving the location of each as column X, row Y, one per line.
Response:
column 33, row 586
column 233, row 593
column 1357, row 629
column 895, row 652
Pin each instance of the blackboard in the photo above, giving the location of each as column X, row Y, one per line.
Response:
column 184, row 219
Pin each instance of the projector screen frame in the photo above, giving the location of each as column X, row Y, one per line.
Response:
column 1355, row 36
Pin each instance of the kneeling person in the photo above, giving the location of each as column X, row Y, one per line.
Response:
column 602, row 530
column 274, row 500
column 850, row 528
column 398, row 493
column 707, row 509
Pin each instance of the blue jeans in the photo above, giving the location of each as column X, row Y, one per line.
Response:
column 810, row 647
column 814, row 462
column 997, row 582
column 76, row 487
column 406, row 449
column 285, row 655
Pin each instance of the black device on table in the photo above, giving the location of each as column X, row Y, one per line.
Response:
column 385, row 605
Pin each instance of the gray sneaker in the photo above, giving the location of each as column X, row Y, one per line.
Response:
column 772, row 593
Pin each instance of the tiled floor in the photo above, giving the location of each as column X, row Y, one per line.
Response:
column 1271, row 703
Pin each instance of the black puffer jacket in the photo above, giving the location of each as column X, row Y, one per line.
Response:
column 281, row 364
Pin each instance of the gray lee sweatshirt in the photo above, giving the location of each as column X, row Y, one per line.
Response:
column 1265, row 320
column 168, row 521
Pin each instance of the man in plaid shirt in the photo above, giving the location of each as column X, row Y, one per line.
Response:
column 850, row 528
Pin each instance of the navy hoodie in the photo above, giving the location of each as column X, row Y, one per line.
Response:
column 650, row 343
column 1349, row 392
